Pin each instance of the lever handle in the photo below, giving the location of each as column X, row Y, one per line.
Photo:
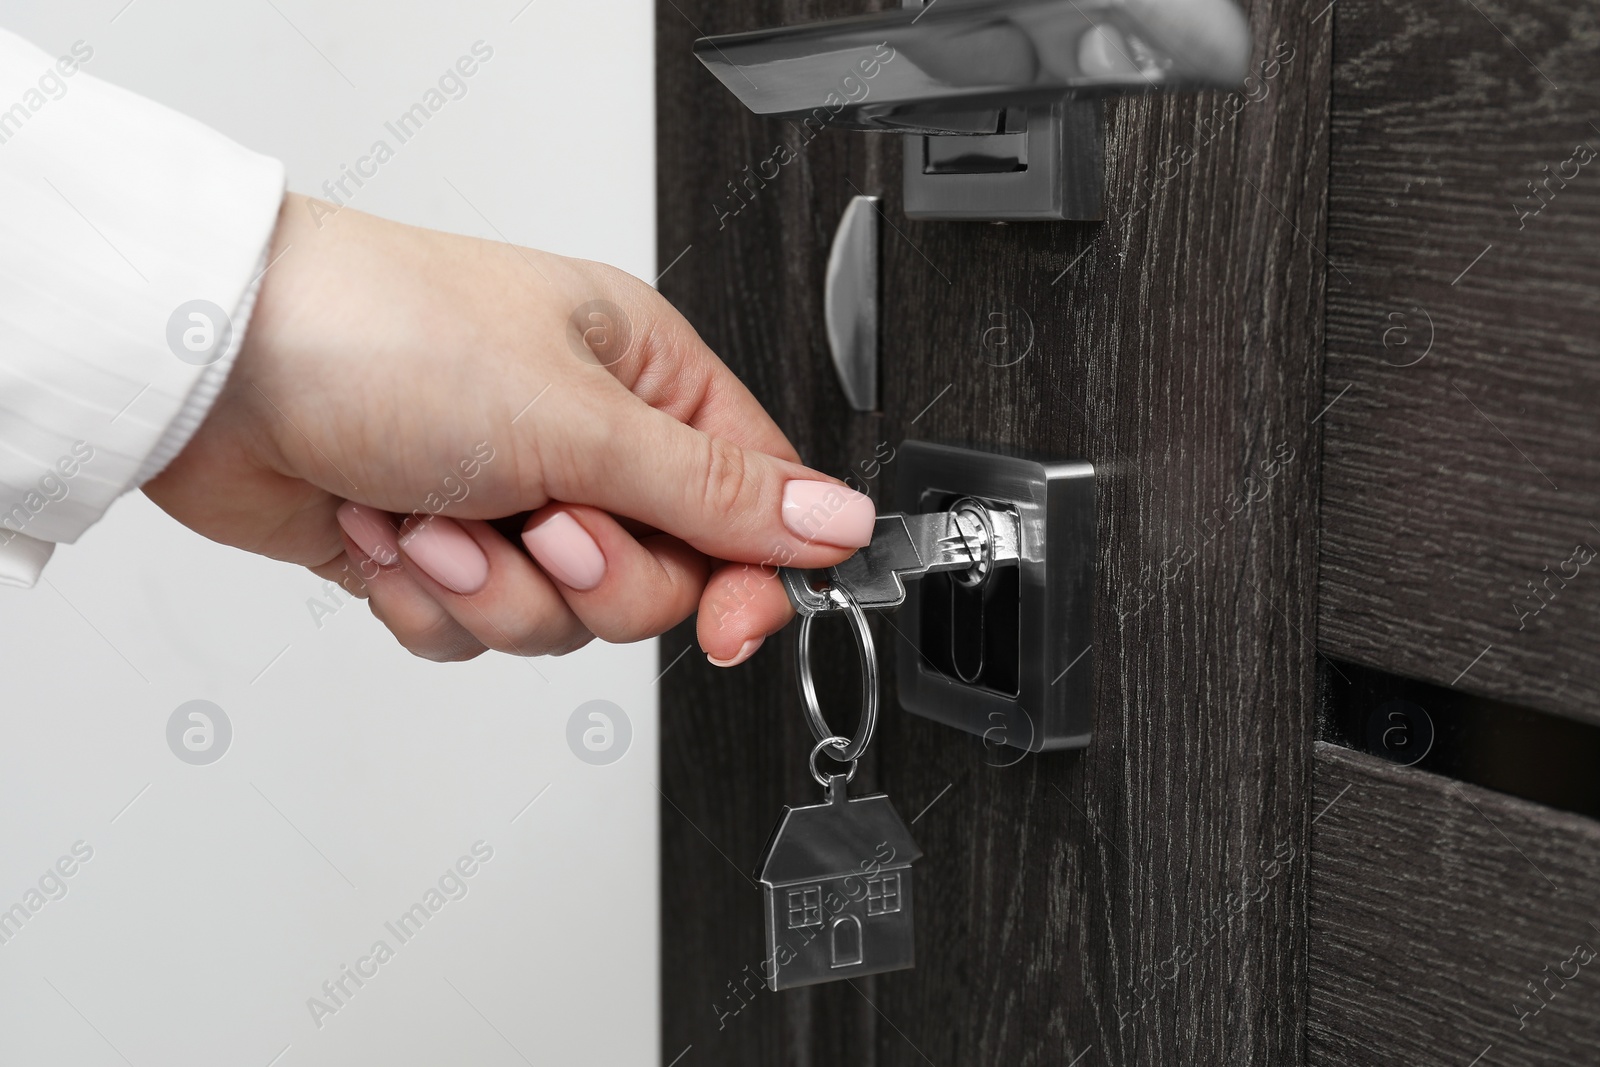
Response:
column 953, row 67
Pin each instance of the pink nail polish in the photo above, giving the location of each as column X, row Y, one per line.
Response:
column 372, row 532
column 829, row 514
column 746, row 650
column 447, row 554
column 564, row 549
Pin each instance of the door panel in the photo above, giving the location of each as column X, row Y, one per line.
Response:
column 1141, row 901
column 1456, row 474
column 1434, row 905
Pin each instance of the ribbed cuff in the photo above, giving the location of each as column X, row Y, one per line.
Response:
column 198, row 403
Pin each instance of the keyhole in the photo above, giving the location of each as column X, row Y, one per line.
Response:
column 967, row 631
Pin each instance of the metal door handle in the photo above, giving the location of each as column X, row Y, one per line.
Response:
column 1001, row 92
column 952, row 67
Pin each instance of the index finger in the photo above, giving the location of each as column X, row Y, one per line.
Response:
column 653, row 350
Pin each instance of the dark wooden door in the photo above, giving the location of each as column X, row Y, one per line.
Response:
column 1150, row 899
column 1455, row 899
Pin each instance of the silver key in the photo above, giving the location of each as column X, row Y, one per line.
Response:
column 971, row 538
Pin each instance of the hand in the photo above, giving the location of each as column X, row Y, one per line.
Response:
column 400, row 390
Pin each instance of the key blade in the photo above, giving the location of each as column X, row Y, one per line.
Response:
column 956, row 540
column 873, row 575
column 906, row 547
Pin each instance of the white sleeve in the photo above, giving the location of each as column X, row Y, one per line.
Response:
column 132, row 243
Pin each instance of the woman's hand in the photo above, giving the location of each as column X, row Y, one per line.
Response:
column 437, row 383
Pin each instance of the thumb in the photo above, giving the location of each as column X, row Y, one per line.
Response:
column 727, row 501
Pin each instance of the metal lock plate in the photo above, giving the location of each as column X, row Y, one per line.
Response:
column 1051, row 168
column 1010, row 660
column 1043, row 162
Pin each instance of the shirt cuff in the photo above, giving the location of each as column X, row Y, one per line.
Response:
column 132, row 248
column 198, row 403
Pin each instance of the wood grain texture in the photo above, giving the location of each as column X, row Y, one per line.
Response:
column 1434, row 905
column 1141, row 902
column 1458, row 474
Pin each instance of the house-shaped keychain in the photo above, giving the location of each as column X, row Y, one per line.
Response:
column 837, row 882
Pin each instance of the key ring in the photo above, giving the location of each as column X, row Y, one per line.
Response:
column 827, row 780
column 826, row 738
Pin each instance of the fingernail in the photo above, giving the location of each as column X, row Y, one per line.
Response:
column 372, row 532
column 828, row 513
column 447, row 554
column 564, row 548
column 746, row 650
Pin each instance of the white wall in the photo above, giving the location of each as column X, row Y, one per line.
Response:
column 223, row 896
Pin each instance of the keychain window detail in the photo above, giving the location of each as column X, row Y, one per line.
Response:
column 805, row 907
column 883, row 895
